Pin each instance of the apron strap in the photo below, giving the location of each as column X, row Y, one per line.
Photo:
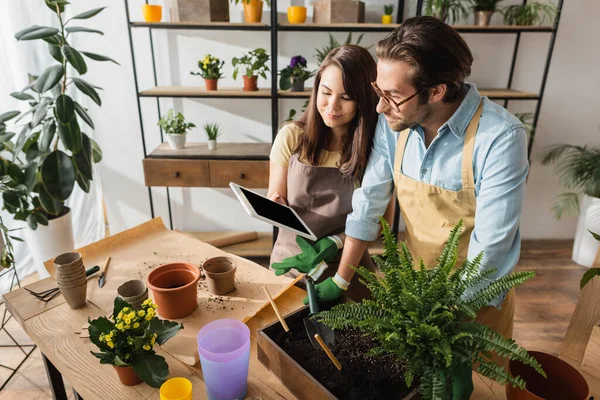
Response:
column 468, row 180
column 400, row 146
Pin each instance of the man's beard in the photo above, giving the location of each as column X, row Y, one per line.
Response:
column 423, row 113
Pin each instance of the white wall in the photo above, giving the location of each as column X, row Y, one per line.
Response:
column 567, row 113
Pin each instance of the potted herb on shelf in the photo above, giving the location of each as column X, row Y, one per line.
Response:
column 211, row 69
column 213, row 130
column 578, row 169
column 127, row 342
column 294, row 75
column 449, row 11
column 483, row 11
column 176, row 129
column 253, row 64
column 386, row 18
column 252, row 9
column 51, row 152
column 529, row 14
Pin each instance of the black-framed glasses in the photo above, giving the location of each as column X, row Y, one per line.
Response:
column 391, row 102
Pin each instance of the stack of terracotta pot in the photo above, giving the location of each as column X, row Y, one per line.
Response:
column 72, row 282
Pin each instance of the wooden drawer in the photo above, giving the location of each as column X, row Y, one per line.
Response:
column 174, row 172
column 251, row 174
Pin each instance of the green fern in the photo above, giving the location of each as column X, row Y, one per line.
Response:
column 425, row 318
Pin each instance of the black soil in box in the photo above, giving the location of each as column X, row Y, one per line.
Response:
column 362, row 377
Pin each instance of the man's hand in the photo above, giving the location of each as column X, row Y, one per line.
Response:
column 324, row 250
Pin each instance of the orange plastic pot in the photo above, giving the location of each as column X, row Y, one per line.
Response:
column 174, row 289
column 253, row 10
column 211, row 84
column 296, row 14
column 250, row 83
column 152, row 13
column 563, row 382
column 127, row 376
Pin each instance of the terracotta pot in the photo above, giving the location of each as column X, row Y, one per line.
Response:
column 563, row 382
column 220, row 274
column 297, row 85
column 250, row 83
column 253, row 11
column 152, row 13
column 174, row 289
column 133, row 292
column 296, row 14
column 482, row 18
column 386, row 19
column 211, row 84
column 127, row 376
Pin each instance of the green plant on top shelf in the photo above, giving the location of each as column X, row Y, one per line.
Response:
column 449, row 11
column 174, row 124
column 592, row 272
column 295, row 71
column 425, row 318
column 213, row 130
column 236, row 2
column 333, row 44
column 485, row 5
column 388, row 9
column 529, row 14
column 210, row 67
column 253, row 63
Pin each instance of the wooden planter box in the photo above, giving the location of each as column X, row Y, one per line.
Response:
column 200, row 11
column 293, row 376
column 338, row 11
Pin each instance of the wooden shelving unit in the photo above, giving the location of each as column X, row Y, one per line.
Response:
column 201, row 92
column 370, row 27
column 213, row 26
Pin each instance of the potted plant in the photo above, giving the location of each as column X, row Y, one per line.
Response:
column 529, row 14
column 386, row 18
column 296, row 14
column 294, row 75
column 592, row 272
column 254, row 63
column 449, row 11
column 252, row 9
column 127, row 342
column 213, row 130
column 51, row 151
column 578, row 169
column 483, row 11
column 211, row 69
column 176, row 129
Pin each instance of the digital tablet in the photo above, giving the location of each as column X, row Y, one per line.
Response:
column 269, row 211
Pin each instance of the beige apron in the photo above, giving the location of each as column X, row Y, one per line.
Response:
column 322, row 197
column 430, row 212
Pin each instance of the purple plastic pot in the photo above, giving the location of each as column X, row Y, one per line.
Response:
column 224, row 348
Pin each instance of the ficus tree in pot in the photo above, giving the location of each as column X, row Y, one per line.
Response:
column 51, row 152
column 253, row 64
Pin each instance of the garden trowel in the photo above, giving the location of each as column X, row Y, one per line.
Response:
column 312, row 326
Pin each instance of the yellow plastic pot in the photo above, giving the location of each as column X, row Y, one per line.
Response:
column 296, row 14
column 386, row 19
column 152, row 13
column 253, row 11
column 176, row 389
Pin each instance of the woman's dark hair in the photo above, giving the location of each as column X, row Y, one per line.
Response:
column 358, row 71
column 436, row 53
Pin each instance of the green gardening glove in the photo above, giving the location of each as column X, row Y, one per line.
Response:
column 330, row 289
column 462, row 381
column 323, row 250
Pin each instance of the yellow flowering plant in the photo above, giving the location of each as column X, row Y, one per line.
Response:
column 210, row 67
column 129, row 338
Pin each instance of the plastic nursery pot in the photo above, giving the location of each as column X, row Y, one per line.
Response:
column 174, row 289
column 176, row 389
column 563, row 382
column 134, row 292
column 386, row 19
column 152, row 13
column 250, row 83
column 220, row 274
column 211, row 84
column 253, row 11
column 127, row 376
column 296, row 14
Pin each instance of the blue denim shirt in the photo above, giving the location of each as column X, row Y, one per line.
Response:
column 500, row 168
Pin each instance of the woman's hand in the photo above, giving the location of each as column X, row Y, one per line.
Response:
column 276, row 197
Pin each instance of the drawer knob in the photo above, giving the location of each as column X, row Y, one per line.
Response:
column 176, row 174
column 242, row 175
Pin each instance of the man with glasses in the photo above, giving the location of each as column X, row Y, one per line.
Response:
column 448, row 153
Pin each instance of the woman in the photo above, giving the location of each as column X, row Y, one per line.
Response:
column 317, row 161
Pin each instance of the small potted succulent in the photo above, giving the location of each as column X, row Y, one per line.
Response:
column 386, row 18
column 211, row 69
column 126, row 342
column 483, row 11
column 175, row 128
column 254, row 63
column 294, row 75
column 213, row 130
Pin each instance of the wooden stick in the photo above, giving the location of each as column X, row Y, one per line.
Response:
column 105, row 267
column 333, row 359
column 285, row 327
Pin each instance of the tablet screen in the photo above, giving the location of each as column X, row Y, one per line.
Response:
column 274, row 211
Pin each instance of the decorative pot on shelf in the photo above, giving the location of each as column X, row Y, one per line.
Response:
column 152, row 13
column 176, row 140
column 211, row 84
column 127, row 376
column 482, row 18
column 297, row 85
column 253, row 11
column 386, row 19
column 585, row 247
column 212, row 144
column 250, row 83
column 296, row 14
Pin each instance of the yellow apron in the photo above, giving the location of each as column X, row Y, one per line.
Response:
column 430, row 212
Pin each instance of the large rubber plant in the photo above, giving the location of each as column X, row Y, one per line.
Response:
column 49, row 151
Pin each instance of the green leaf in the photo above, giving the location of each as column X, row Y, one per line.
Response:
column 72, row 29
column 100, row 326
column 47, row 135
column 49, row 78
column 32, row 152
column 83, row 182
column 588, row 276
column 53, row 4
column 41, row 218
column 16, row 174
column 58, row 175
column 105, row 358
column 40, row 112
column 74, row 58
column 164, row 329
column 22, row 96
column 31, row 175
column 152, row 368
column 54, row 40
column 65, row 108
column 595, row 235
column 31, row 222
column 50, row 204
column 96, row 151
column 7, row 116
column 98, row 57
column 21, row 139
column 35, row 32
column 87, row 89
column 118, row 305
column 5, row 137
column 55, row 52
column 11, row 199
column 83, row 159
column 88, row 14
column 83, row 114
column 70, row 135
